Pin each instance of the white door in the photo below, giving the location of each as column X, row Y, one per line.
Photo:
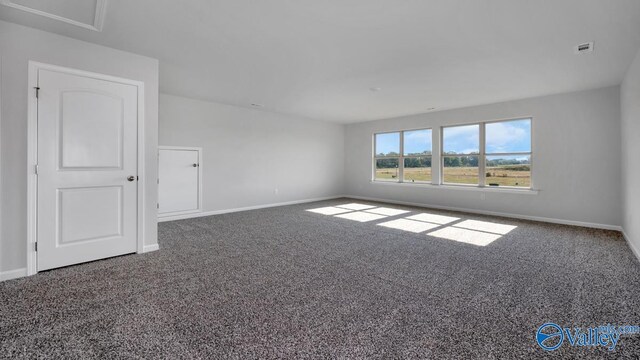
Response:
column 178, row 185
column 87, row 169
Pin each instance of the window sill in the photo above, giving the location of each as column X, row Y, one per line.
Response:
column 502, row 190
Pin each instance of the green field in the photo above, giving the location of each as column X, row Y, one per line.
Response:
column 508, row 175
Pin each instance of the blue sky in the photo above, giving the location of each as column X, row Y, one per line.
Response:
column 417, row 141
column 509, row 136
column 388, row 143
column 461, row 139
column 502, row 137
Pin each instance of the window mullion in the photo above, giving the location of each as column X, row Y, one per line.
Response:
column 441, row 161
column 401, row 159
column 482, row 157
column 375, row 160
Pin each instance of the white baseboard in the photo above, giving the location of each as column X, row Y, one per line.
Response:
column 18, row 273
column 423, row 205
column 13, row 274
column 255, row 207
column 633, row 247
column 150, row 248
column 495, row 213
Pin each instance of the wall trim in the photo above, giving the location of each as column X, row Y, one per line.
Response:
column 13, row 274
column 246, row 208
column 494, row 213
column 633, row 248
column 96, row 25
column 150, row 248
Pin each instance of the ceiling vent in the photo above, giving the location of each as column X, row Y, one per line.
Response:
column 88, row 14
column 584, row 48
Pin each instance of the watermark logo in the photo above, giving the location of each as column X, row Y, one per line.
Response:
column 551, row 336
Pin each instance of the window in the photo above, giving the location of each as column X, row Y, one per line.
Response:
column 461, row 154
column 508, row 153
column 487, row 154
column 403, row 156
column 417, row 155
column 387, row 156
column 503, row 158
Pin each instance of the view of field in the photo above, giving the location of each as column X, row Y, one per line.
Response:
column 507, row 175
column 506, row 151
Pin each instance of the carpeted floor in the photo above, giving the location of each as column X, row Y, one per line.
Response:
column 290, row 283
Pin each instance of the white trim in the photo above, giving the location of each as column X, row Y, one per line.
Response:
column 421, row 205
column 13, row 274
column 32, row 160
column 494, row 213
column 0, row 166
column 489, row 189
column 200, row 162
column 32, row 154
column 633, row 248
column 254, row 207
column 98, row 17
column 150, row 248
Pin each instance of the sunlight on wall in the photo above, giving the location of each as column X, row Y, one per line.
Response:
column 474, row 232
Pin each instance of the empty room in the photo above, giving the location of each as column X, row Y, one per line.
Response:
column 337, row 179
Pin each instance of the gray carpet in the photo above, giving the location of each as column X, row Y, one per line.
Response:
column 288, row 283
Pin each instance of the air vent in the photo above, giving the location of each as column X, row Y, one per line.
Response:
column 584, row 48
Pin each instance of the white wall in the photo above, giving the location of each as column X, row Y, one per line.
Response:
column 18, row 45
column 249, row 153
column 576, row 158
column 630, row 101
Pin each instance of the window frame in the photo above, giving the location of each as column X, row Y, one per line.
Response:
column 376, row 157
column 479, row 155
column 482, row 155
column 530, row 154
column 400, row 157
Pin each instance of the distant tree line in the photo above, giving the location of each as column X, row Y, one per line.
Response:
column 503, row 162
column 460, row 161
column 449, row 161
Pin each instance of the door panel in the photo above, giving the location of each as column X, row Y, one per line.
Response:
column 91, row 142
column 80, row 220
column 178, row 190
column 87, row 147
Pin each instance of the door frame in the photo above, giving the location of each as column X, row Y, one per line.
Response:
column 32, row 155
column 186, row 148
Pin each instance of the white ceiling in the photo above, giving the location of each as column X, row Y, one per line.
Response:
column 318, row 59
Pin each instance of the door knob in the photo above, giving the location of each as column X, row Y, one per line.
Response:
column 131, row 178
column 195, row 165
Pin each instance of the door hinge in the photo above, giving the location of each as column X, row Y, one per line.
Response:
column 35, row 169
column 158, row 206
column 137, row 178
column 35, row 246
column 37, row 91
